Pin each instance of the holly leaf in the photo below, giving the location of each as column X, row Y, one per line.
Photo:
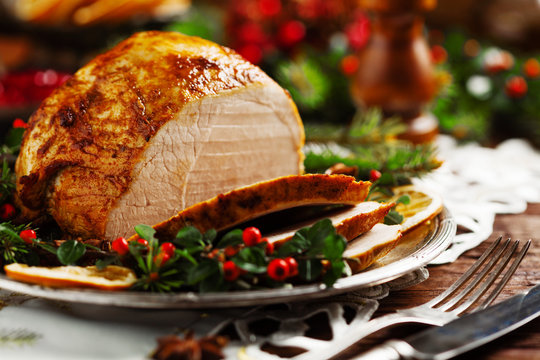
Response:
column 334, row 272
column 210, row 236
column 70, row 251
column 189, row 237
column 232, row 238
column 318, row 234
column 251, row 259
column 298, row 244
column 103, row 263
column 393, row 218
column 205, row 269
column 145, row 231
column 334, row 246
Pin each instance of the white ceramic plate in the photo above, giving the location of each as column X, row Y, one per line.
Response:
column 409, row 255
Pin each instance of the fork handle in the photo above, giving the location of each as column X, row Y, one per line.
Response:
column 364, row 330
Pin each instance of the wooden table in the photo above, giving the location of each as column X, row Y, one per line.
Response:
column 523, row 343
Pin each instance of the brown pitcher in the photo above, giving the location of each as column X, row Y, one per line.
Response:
column 396, row 73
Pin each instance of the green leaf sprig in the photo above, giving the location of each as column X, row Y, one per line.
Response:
column 198, row 260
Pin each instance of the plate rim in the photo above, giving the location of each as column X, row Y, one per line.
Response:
column 435, row 243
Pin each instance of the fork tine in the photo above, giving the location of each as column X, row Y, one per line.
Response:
column 506, row 277
column 494, row 274
column 466, row 276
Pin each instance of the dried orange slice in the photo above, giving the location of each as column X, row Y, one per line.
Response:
column 424, row 205
column 110, row 278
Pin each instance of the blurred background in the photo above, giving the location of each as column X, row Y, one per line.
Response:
column 469, row 66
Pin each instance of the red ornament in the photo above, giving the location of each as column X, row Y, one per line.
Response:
column 278, row 269
column 251, row 236
column 358, row 32
column 251, row 33
column 292, row 32
column 121, row 246
column 269, row 8
column 168, row 248
column 531, row 68
column 293, row 266
column 230, row 270
column 19, row 123
column 374, row 175
column 252, row 53
column 516, row 87
column 349, row 64
column 7, row 211
column 28, row 236
column 438, row 54
column 496, row 60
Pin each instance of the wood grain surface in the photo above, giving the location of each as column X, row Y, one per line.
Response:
column 523, row 343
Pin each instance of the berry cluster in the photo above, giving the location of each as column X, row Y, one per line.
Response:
column 261, row 28
column 29, row 87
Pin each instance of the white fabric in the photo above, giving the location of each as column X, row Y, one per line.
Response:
column 477, row 183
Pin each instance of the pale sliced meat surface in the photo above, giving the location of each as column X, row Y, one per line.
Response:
column 240, row 205
column 349, row 222
column 371, row 246
column 237, row 139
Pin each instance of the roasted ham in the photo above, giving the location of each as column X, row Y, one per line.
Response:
column 243, row 204
column 157, row 124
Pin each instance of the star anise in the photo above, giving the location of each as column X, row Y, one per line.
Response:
column 173, row 347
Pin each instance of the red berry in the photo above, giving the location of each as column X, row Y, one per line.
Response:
column 349, row 64
column 278, row 269
column 293, row 266
column 7, row 211
column 230, row 270
column 270, row 7
column 531, row 68
column 269, row 250
column 251, row 236
column 121, row 246
column 168, row 248
column 516, row 87
column 438, row 54
column 142, row 242
column 154, row 276
column 292, row 32
column 28, row 236
column 251, row 52
column 161, row 258
column 19, row 123
column 374, row 175
column 230, row 251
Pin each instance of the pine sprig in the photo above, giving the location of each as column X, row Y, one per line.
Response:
column 368, row 143
column 7, row 182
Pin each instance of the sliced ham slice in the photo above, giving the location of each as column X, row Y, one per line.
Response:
column 371, row 246
column 349, row 222
column 243, row 204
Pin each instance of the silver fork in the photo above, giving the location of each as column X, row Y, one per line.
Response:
column 443, row 309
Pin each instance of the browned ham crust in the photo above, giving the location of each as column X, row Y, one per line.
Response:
column 240, row 205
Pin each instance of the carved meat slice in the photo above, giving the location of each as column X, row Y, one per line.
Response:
column 371, row 246
column 240, row 205
column 160, row 122
column 349, row 222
